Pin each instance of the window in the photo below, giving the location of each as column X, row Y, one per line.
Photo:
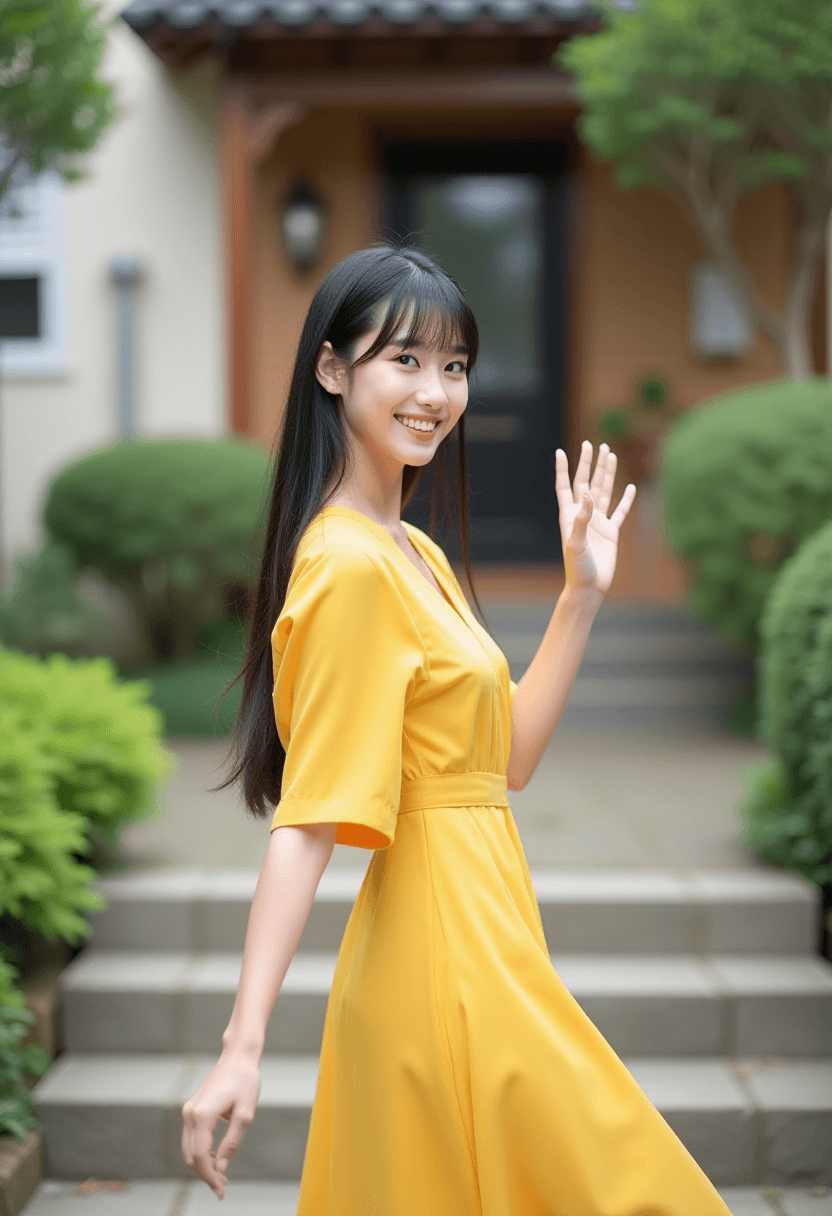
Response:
column 33, row 276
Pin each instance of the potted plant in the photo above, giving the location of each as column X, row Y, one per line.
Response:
column 633, row 430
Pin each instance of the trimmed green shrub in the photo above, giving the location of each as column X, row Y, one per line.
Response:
column 17, row 1104
column 788, row 801
column 745, row 479
column 188, row 693
column 44, row 612
column 43, row 886
column 174, row 522
column 99, row 735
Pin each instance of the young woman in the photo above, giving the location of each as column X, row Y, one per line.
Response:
column 458, row 1076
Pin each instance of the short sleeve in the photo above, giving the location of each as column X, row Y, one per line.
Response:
column 347, row 658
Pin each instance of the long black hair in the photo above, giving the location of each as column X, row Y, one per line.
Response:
column 402, row 290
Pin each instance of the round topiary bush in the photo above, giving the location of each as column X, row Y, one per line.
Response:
column 176, row 523
column 745, row 479
column 788, row 801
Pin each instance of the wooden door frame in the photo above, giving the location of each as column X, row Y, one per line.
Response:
column 256, row 111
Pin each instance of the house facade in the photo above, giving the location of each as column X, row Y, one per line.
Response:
column 445, row 124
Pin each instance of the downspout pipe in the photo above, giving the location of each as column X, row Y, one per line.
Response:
column 126, row 273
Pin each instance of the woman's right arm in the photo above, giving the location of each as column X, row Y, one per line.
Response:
column 296, row 858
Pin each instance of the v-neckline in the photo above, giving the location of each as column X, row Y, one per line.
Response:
column 446, row 595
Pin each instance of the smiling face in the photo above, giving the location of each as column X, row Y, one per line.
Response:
column 399, row 405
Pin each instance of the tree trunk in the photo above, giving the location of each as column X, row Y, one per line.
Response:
column 799, row 364
column 790, row 332
column 797, row 319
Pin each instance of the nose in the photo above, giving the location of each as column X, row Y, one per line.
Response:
column 431, row 390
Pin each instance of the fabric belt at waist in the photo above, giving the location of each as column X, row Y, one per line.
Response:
column 453, row 789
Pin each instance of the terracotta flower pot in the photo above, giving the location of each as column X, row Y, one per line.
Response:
column 639, row 456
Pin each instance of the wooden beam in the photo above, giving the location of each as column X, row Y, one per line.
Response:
column 246, row 135
column 492, row 88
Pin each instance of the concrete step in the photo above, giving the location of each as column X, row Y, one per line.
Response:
column 618, row 647
column 745, row 1121
column 674, row 1005
column 655, row 661
column 659, row 912
column 171, row 1197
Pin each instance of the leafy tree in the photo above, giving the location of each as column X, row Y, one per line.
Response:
column 52, row 105
column 710, row 100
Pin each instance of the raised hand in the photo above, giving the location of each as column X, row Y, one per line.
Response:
column 590, row 539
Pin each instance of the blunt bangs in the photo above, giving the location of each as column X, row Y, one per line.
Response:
column 424, row 309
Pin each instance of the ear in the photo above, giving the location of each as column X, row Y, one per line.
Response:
column 329, row 369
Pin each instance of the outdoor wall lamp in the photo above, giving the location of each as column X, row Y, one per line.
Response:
column 302, row 221
column 719, row 321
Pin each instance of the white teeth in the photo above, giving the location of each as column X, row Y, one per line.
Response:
column 416, row 424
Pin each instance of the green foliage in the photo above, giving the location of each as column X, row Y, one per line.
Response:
column 745, row 479
column 43, row 612
column 745, row 86
column 17, row 1105
column 53, row 107
column 42, row 884
column 175, row 522
column 97, row 733
column 788, row 800
column 187, row 693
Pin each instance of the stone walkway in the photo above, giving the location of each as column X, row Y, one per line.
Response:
column 172, row 1198
column 631, row 798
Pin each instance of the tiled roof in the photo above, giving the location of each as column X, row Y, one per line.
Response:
column 238, row 14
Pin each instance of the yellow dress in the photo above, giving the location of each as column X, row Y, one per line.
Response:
column 458, row 1076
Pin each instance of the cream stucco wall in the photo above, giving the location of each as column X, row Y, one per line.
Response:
column 152, row 191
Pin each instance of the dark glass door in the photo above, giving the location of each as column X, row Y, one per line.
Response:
column 495, row 218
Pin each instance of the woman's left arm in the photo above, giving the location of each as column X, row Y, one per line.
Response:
column 590, row 549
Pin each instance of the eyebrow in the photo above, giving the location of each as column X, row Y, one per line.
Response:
column 400, row 340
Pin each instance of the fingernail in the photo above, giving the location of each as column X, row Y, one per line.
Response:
column 222, row 1165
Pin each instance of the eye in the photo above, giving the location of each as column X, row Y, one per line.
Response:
column 463, row 367
column 400, row 357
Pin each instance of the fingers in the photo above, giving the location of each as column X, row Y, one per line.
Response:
column 581, row 483
column 232, row 1139
column 596, row 484
column 600, row 486
column 622, row 510
column 577, row 537
column 605, row 473
column 563, row 490
column 197, row 1137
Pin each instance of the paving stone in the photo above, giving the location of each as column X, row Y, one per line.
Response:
column 747, row 1201
column 751, row 911
column 630, row 910
column 806, row 1202
column 781, row 1005
column 708, row 1111
column 149, row 906
column 244, row 1199
column 114, row 999
column 298, row 1019
column 795, row 1098
column 107, row 1115
column 139, row 1198
column 658, row 1006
